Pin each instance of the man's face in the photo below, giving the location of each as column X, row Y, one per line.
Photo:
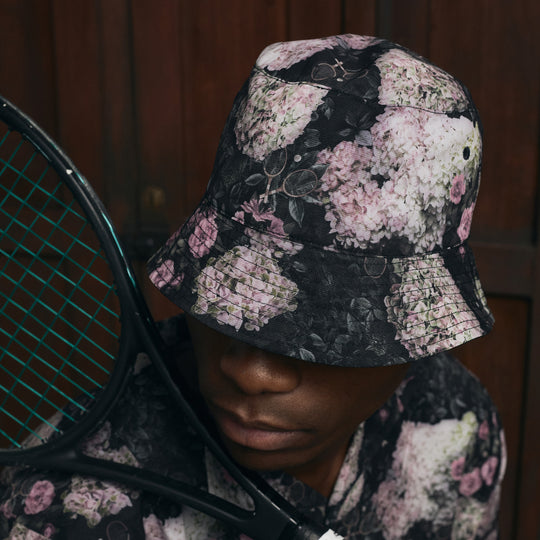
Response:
column 278, row 413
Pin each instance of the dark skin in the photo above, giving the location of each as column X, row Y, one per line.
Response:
column 279, row 413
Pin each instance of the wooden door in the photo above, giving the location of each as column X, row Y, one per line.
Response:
column 137, row 92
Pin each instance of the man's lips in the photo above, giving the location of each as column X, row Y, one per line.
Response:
column 255, row 434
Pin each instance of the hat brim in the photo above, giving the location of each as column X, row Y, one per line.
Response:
column 321, row 305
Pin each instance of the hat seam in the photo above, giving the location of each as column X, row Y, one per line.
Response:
column 278, row 287
column 431, row 278
column 286, row 238
column 345, row 93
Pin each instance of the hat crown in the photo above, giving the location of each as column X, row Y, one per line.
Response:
column 351, row 143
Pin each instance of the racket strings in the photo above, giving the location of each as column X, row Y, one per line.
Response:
column 59, row 312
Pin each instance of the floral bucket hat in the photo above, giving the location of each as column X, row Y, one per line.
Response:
column 334, row 226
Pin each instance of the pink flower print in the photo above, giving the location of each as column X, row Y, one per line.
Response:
column 239, row 216
column 204, row 234
column 470, row 483
column 40, row 497
column 49, row 530
column 488, row 470
column 153, row 528
column 411, row 82
column 7, row 509
column 164, row 275
column 465, row 224
column 457, row 468
column 458, row 188
column 483, row 430
column 253, row 207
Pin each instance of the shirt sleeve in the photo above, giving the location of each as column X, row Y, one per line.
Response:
column 36, row 505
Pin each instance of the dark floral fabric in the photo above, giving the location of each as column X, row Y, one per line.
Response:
column 334, row 227
column 427, row 465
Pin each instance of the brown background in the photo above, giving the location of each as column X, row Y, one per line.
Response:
column 137, row 93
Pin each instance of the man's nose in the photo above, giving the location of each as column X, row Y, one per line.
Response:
column 255, row 371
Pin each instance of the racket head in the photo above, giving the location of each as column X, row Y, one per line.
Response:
column 67, row 296
column 65, row 282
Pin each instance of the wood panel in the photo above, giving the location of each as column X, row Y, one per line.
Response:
column 527, row 507
column 27, row 58
column 308, row 19
column 119, row 155
column 493, row 360
column 78, row 85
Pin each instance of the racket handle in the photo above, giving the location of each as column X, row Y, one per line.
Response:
column 307, row 532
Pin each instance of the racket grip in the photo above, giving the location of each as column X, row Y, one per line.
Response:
column 331, row 535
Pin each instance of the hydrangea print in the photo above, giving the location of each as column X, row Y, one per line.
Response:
column 40, row 497
column 244, row 287
column 274, row 114
column 353, row 200
column 400, row 187
column 420, row 159
column 274, row 237
column 98, row 446
column 406, row 81
column 204, row 232
column 359, row 42
column 284, row 55
column 93, row 499
column 427, row 308
column 164, row 275
column 420, row 475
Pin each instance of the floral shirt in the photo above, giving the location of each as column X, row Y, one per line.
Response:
column 428, row 464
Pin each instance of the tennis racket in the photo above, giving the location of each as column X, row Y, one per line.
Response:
column 72, row 321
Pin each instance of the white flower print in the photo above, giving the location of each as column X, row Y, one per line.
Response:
column 420, row 474
column 285, row 54
column 244, row 287
column 427, row 308
column 274, row 114
column 409, row 81
column 93, row 499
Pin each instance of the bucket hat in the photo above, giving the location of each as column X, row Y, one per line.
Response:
column 334, row 226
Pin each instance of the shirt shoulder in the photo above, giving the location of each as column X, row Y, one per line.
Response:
column 440, row 388
column 432, row 459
